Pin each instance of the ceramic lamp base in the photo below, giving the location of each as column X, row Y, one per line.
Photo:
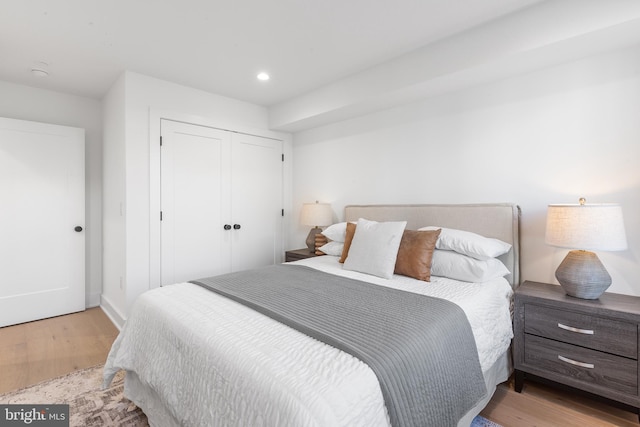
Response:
column 311, row 239
column 582, row 275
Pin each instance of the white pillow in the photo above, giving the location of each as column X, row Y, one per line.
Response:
column 467, row 269
column 468, row 243
column 336, row 232
column 332, row 248
column 374, row 248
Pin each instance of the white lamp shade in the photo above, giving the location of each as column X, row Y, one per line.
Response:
column 316, row 214
column 587, row 227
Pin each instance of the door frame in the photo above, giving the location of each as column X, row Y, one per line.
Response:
column 155, row 117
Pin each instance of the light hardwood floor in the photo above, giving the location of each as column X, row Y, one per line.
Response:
column 36, row 351
column 544, row 406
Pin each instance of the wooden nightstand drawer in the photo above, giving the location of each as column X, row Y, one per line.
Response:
column 594, row 349
column 298, row 254
column 591, row 369
column 611, row 336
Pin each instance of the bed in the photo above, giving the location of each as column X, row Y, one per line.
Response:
column 195, row 357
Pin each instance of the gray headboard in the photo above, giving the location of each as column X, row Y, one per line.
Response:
column 499, row 220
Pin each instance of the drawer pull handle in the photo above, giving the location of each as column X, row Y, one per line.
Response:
column 573, row 362
column 572, row 329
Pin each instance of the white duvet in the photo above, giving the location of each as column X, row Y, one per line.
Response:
column 215, row 362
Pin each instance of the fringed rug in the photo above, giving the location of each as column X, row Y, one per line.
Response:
column 89, row 405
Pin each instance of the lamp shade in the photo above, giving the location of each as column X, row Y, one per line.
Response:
column 586, row 227
column 316, row 214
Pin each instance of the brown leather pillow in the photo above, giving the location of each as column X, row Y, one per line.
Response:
column 351, row 230
column 415, row 254
column 321, row 240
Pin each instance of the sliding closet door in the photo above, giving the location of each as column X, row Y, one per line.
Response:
column 256, row 200
column 42, row 258
column 195, row 176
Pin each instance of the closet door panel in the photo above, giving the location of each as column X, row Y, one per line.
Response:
column 195, row 177
column 256, row 201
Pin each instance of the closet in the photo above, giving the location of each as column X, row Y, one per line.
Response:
column 221, row 201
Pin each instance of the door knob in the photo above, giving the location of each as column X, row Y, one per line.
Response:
column 236, row 226
column 78, row 228
column 227, row 227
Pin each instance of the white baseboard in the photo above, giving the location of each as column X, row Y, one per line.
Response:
column 112, row 313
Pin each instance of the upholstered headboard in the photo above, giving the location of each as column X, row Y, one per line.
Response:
column 500, row 221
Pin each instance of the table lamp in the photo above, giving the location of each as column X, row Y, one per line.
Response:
column 316, row 215
column 585, row 227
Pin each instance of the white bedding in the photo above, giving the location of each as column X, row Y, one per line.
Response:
column 487, row 305
column 213, row 361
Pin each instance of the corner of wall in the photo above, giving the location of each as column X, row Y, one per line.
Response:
column 116, row 317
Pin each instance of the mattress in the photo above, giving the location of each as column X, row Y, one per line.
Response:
column 207, row 360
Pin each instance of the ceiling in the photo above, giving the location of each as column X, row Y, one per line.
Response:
column 219, row 46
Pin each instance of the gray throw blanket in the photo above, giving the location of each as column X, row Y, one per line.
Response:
column 421, row 348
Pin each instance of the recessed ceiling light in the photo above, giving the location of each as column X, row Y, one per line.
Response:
column 263, row 76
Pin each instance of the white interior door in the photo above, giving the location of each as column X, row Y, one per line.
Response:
column 195, row 176
column 42, row 258
column 256, row 199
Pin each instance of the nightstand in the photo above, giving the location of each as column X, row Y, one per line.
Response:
column 590, row 345
column 298, row 254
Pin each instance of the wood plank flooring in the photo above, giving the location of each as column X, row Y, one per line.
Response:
column 541, row 405
column 36, row 351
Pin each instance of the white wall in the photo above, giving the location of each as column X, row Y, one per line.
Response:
column 142, row 98
column 114, row 193
column 39, row 105
column 546, row 137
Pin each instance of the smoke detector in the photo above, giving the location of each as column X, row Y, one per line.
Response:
column 40, row 69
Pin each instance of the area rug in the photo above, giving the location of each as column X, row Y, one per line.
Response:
column 480, row 421
column 91, row 406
